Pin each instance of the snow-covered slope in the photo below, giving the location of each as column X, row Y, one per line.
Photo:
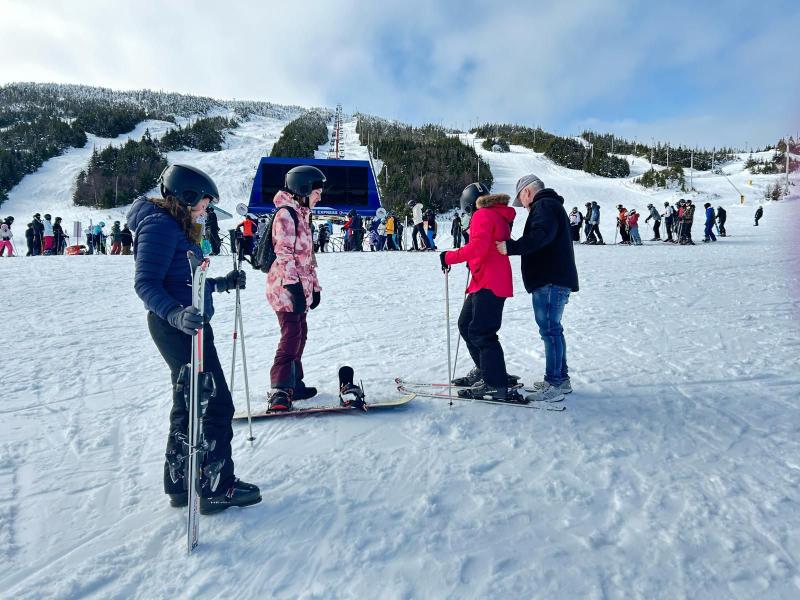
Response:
column 50, row 188
column 674, row 472
column 578, row 187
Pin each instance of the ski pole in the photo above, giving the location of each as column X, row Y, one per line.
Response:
column 458, row 341
column 447, row 318
column 244, row 367
column 237, row 329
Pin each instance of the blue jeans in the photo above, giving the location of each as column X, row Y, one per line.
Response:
column 548, row 306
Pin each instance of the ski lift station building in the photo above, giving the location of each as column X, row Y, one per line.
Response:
column 350, row 185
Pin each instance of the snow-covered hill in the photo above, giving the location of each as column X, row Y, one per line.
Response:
column 673, row 473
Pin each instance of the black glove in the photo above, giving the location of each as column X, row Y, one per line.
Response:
column 228, row 283
column 187, row 320
column 298, row 297
column 315, row 298
column 445, row 266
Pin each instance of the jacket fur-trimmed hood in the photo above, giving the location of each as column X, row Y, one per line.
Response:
column 492, row 199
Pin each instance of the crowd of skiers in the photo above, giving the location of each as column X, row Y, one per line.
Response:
column 677, row 220
column 46, row 237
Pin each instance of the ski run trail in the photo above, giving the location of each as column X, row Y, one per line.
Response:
column 673, row 473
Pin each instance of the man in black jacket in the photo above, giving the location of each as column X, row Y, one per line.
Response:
column 722, row 216
column 549, row 274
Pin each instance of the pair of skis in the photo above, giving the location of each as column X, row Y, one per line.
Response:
column 198, row 392
column 441, row 391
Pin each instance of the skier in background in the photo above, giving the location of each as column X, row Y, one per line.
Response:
column 633, row 227
column 323, row 235
column 669, row 218
column 49, row 242
column 656, row 222
column 595, row 223
column 431, row 221
column 575, row 221
column 759, row 214
column 5, row 239
column 588, row 235
column 292, row 284
column 722, row 216
column 166, row 228
column 688, row 221
column 29, row 240
column 38, row 233
column 116, row 238
column 248, row 228
column 126, row 236
column 710, row 218
column 622, row 224
column 59, row 237
column 482, row 312
column 419, row 228
column 455, row 231
column 9, row 221
column 390, row 229
column 212, row 230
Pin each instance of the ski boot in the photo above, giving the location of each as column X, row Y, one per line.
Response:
column 239, row 494
column 468, row 380
column 279, row 400
column 303, row 392
column 494, row 393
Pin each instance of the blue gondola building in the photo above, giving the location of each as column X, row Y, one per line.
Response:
column 350, row 185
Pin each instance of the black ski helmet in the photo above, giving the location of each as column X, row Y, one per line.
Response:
column 471, row 194
column 47, row 216
column 303, row 180
column 666, row 203
column 188, row 184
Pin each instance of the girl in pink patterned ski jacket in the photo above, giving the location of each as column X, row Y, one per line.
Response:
column 294, row 262
column 292, row 284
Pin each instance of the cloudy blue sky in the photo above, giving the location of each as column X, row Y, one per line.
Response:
column 708, row 73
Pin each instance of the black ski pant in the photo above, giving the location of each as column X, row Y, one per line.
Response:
column 478, row 323
column 668, row 228
column 466, row 237
column 657, row 230
column 419, row 228
column 576, row 232
column 176, row 349
column 722, row 228
column 216, row 243
column 457, row 240
column 595, row 230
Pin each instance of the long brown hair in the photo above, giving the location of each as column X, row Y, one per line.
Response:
column 181, row 214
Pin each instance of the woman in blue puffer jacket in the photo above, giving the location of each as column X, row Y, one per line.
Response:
column 166, row 228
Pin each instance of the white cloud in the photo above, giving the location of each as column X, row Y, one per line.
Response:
column 552, row 64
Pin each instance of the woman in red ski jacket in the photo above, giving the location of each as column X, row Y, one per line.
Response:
column 482, row 313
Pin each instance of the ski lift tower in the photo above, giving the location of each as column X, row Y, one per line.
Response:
column 336, row 149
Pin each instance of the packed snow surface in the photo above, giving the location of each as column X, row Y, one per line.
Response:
column 673, row 473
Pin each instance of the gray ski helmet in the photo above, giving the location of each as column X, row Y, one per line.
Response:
column 188, row 184
column 303, row 180
column 471, row 194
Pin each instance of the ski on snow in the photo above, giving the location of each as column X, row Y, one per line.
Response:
column 550, row 405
